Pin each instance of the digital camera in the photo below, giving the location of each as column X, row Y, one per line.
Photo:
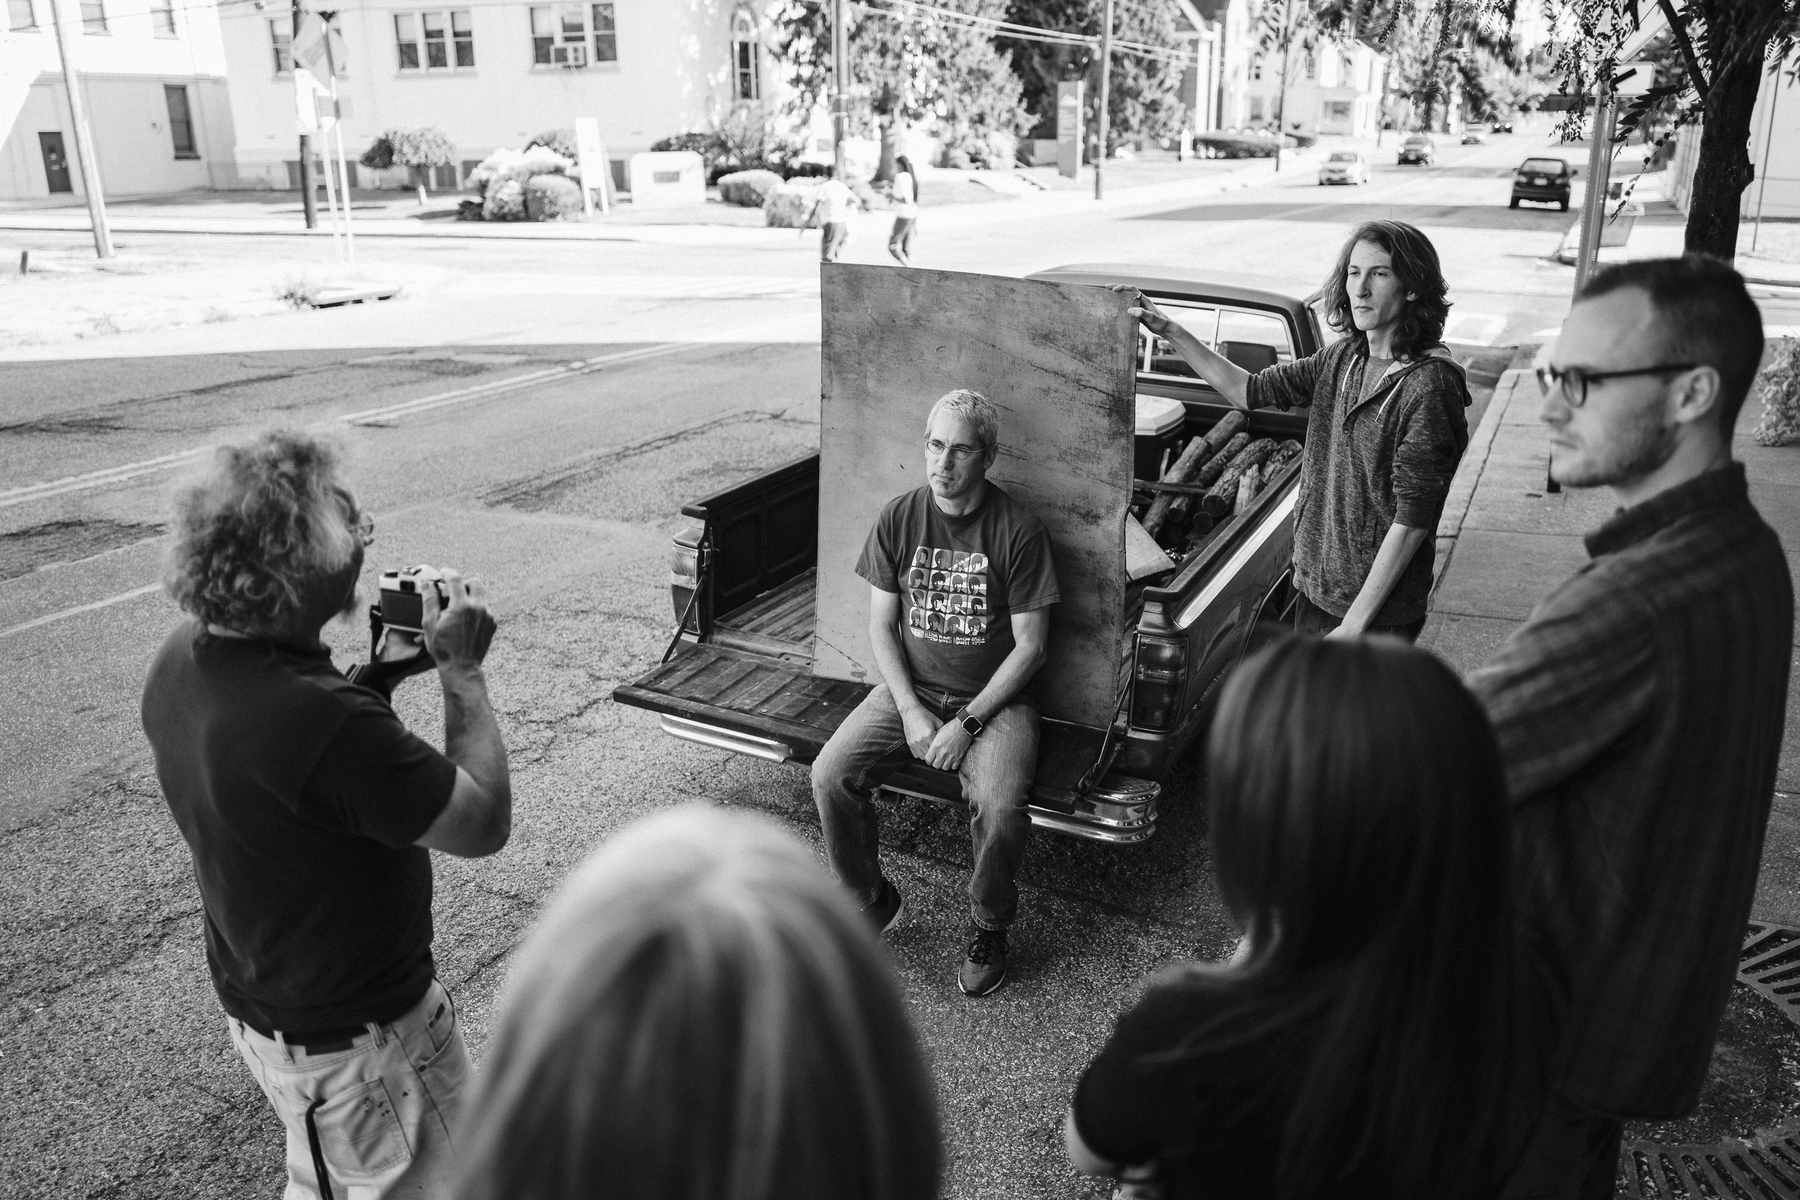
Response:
column 403, row 597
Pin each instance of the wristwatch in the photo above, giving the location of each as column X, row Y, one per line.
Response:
column 970, row 722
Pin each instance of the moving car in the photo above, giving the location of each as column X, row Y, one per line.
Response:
column 1344, row 166
column 749, row 666
column 1417, row 149
column 1473, row 138
column 1500, row 127
column 1542, row 181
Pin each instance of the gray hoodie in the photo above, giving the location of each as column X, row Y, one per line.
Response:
column 1368, row 464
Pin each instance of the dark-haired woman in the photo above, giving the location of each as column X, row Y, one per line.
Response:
column 906, row 210
column 1383, row 438
column 1380, row 1033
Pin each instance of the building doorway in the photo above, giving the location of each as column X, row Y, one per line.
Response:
column 56, row 162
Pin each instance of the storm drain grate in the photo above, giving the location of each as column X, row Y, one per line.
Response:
column 1763, row 1167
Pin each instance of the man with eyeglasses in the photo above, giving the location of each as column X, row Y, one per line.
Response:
column 960, row 590
column 309, row 810
column 1640, row 710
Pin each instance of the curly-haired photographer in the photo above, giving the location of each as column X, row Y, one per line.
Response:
column 309, row 809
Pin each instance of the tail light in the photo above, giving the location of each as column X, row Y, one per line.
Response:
column 1158, row 682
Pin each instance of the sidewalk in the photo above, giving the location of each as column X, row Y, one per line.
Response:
column 1504, row 543
column 382, row 215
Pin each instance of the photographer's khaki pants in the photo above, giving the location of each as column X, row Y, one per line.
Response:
column 383, row 1109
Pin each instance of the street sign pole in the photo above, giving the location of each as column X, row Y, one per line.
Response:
column 84, row 141
column 309, row 187
column 1106, row 31
column 1593, row 205
column 337, row 130
column 840, row 78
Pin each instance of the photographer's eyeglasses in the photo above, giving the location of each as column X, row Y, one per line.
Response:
column 957, row 452
column 364, row 528
column 1574, row 381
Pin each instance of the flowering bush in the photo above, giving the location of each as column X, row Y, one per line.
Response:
column 504, row 201
column 1780, row 391
column 551, row 198
column 787, row 206
column 748, row 189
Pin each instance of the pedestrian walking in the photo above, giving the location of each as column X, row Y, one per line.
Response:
column 701, row 1012
column 906, row 210
column 832, row 208
column 1384, row 432
column 1381, row 1032
column 309, row 810
column 1640, row 709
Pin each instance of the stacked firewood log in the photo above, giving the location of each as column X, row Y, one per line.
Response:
column 1216, row 476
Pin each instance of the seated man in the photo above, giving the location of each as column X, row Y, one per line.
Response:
column 961, row 585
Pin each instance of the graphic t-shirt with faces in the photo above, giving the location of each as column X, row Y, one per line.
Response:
column 960, row 579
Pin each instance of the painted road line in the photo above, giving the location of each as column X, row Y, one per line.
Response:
column 394, row 412
column 52, row 618
column 94, row 479
column 1475, row 328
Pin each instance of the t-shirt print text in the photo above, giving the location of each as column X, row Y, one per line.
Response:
column 948, row 591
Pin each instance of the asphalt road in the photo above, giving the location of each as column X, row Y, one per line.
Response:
column 699, row 368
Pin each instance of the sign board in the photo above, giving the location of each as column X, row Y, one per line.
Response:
column 314, row 110
column 319, row 46
column 590, row 156
column 1633, row 78
column 1058, row 362
column 1071, row 118
column 660, row 179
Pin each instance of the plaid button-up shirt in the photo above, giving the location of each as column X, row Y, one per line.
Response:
column 1640, row 714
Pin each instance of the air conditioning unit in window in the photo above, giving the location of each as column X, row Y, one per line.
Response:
column 569, row 54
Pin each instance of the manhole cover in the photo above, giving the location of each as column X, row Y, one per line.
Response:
column 1764, row 1166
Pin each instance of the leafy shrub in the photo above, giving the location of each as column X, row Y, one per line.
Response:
column 503, row 165
column 551, row 198
column 559, row 141
column 468, row 210
column 748, row 189
column 706, row 145
column 424, row 147
column 1780, row 392
column 504, row 201
column 787, row 206
column 1238, row 145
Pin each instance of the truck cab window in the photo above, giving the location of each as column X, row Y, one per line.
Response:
column 1253, row 340
column 1158, row 357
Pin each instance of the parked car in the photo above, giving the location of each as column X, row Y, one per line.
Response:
column 1417, row 149
column 1473, row 138
column 739, row 671
column 1500, row 127
column 1344, row 166
column 1542, row 181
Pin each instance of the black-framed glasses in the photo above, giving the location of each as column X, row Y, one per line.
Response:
column 956, row 451
column 364, row 528
column 1574, row 381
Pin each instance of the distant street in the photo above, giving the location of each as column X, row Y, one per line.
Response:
column 535, row 414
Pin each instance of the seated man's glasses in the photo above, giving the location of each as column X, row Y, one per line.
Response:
column 1573, row 381
column 957, row 452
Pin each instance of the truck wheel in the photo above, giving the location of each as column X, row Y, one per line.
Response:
column 1515, row 203
column 1564, row 205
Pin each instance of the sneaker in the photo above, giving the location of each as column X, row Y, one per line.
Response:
column 984, row 969
column 888, row 908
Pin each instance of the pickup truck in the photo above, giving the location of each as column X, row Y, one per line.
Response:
column 739, row 670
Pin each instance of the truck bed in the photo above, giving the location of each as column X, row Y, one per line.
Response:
column 779, row 622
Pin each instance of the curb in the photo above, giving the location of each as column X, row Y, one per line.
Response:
column 1461, row 496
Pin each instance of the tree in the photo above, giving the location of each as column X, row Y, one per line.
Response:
column 905, row 66
column 1283, row 27
column 416, row 149
column 1145, row 103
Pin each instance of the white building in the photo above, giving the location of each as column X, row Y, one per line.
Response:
column 1334, row 88
column 153, row 77
column 1219, row 91
column 496, row 73
column 1774, row 153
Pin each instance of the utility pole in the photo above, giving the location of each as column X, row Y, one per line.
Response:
column 1287, row 38
column 84, row 141
column 1593, row 205
column 840, row 79
column 309, row 201
column 1106, row 31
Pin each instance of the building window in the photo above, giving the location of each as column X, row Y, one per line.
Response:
column 93, row 16
column 559, row 35
column 20, row 15
column 1256, row 108
column 606, row 34
column 1337, row 110
column 745, row 67
column 181, row 121
column 1312, row 66
column 281, row 41
column 448, row 37
column 1256, row 69
column 162, row 18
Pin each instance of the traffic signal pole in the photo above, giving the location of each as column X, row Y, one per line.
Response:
column 84, row 141
column 309, row 200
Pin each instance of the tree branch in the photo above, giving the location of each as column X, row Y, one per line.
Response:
column 1679, row 27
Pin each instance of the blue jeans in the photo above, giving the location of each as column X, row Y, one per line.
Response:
column 996, row 776
column 383, row 1110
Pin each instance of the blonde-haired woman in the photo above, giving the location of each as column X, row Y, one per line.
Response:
column 702, row 1014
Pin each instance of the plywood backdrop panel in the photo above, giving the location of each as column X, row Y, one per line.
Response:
column 1057, row 361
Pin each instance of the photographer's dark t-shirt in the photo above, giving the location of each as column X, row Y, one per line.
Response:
column 300, row 795
column 960, row 580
